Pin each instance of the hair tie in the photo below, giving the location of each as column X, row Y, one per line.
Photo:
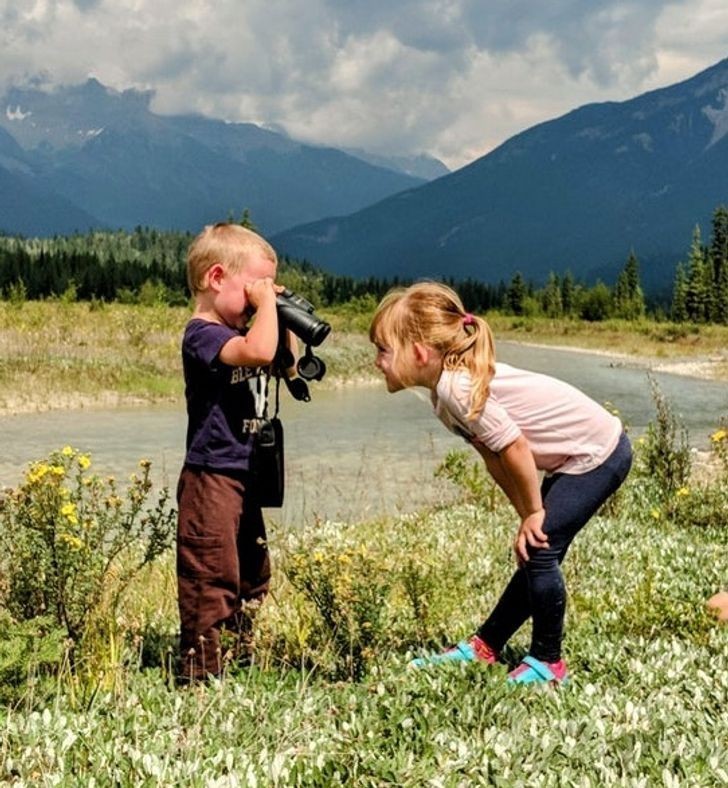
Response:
column 468, row 319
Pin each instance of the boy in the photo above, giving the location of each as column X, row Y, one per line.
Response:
column 223, row 570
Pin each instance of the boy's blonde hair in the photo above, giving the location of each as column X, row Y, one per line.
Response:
column 228, row 244
column 433, row 314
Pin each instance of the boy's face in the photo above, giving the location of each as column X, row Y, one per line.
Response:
column 231, row 300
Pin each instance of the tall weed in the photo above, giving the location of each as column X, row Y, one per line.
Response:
column 664, row 458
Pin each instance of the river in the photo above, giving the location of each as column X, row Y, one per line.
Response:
column 351, row 453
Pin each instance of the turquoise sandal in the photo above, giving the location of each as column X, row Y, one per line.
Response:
column 473, row 650
column 534, row 671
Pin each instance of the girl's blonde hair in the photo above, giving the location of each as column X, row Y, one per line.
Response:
column 225, row 243
column 433, row 314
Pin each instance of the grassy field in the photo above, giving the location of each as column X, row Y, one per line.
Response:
column 60, row 355
column 330, row 699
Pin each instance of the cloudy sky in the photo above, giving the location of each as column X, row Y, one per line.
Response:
column 452, row 78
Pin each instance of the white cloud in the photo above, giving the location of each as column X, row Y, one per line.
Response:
column 450, row 77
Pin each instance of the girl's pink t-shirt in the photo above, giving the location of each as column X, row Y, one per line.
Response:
column 567, row 431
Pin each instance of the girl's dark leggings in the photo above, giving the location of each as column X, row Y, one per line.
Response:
column 537, row 588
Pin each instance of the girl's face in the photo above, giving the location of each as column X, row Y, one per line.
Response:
column 383, row 362
column 422, row 366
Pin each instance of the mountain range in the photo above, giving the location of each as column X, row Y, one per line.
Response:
column 578, row 192
column 87, row 156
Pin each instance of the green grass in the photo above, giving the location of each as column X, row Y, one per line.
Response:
column 646, row 705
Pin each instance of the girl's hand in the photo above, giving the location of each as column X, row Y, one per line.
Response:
column 530, row 533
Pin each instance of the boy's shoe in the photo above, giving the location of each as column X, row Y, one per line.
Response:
column 533, row 671
column 473, row 650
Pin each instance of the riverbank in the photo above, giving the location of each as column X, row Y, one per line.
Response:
column 691, row 350
column 704, row 367
column 74, row 356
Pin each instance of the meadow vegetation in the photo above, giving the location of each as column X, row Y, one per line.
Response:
column 329, row 698
column 60, row 354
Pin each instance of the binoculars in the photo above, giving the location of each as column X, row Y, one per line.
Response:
column 296, row 314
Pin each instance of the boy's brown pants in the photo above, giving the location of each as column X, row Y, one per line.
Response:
column 222, row 564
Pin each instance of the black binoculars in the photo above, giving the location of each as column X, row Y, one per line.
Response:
column 296, row 314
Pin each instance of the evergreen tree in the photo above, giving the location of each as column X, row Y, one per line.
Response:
column 719, row 259
column 551, row 301
column 697, row 293
column 568, row 294
column 628, row 298
column 246, row 221
column 516, row 294
column 679, row 310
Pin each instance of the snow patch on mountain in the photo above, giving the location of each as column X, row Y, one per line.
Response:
column 16, row 114
column 88, row 133
column 718, row 116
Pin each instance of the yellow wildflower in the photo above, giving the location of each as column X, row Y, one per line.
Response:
column 682, row 492
column 67, row 451
column 72, row 541
column 655, row 513
column 84, row 461
column 57, row 470
column 719, row 436
column 68, row 510
column 36, row 472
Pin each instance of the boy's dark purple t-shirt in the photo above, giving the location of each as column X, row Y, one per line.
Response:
column 221, row 400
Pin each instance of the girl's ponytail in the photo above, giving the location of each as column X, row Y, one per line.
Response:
column 474, row 349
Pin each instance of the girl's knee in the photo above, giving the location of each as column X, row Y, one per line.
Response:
column 542, row 559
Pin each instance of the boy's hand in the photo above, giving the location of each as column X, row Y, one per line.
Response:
column 262, row 291
column 530, row 533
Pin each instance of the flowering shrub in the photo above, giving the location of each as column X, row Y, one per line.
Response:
column 704, row 503
column 349, row 591
column 349, row 599
column 71, row 541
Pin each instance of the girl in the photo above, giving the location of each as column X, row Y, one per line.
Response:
column 521, row 423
